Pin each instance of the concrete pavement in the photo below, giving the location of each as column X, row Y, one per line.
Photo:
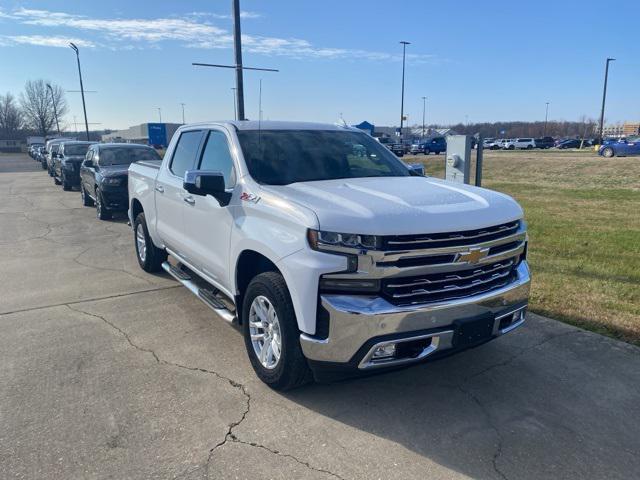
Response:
column 108, row 372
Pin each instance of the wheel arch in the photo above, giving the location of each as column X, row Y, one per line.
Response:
column 249, row 264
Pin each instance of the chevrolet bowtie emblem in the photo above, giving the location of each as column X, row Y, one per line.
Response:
column 474, row 255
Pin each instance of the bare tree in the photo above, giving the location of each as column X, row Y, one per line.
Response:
column 38, row 103
column 10, row 117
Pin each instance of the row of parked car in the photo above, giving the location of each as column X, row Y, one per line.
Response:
column 529, row 143
column 98, row 170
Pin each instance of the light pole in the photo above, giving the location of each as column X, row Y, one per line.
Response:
column 604, row 96
column 404, row 51
column 424, row 109
column 546, row 116
column 84, row 107
column 183, row 122
column 160, row 114
column 55, row 110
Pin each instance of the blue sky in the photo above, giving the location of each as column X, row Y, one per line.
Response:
column 475, row 61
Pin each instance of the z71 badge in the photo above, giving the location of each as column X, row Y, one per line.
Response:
column 249, row 197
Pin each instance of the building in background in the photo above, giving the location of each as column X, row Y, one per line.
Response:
column 612, row 130
column 155, row 134
column 631, row 128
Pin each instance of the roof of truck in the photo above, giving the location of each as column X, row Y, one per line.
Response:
column 273, row 125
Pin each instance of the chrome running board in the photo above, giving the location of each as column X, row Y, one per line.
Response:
column 208, row 295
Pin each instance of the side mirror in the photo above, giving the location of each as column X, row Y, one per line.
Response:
column 88, row 163
column 416, row 169
column 206, row 182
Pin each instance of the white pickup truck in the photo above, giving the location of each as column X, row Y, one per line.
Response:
column 333, row 256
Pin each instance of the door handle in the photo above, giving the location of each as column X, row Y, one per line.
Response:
column 159, row 189
column 190, row 200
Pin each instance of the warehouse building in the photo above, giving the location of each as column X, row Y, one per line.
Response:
column 154, row 134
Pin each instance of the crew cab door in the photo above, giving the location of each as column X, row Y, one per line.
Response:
column 170, row 195
column 88, row 174
column 207, row 223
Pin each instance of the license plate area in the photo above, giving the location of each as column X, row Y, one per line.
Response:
column 472, row 331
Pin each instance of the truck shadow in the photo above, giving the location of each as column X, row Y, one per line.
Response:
column 492, row 412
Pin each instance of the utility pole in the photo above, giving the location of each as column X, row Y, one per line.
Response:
column 546, row 116
column 235, row 103
column 238, row 67
column 604, row 96
column 55, row 110
column 75, row 125
column 183, row 122
column 404, row 51
column 260, row 102
column 424, row 108
column 160, row 114
column 84, row 107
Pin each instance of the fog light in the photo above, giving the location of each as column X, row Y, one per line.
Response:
column 384, row 351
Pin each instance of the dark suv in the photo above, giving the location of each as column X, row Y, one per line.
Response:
column 545, row 142
column 104, row 175
column 66, row 163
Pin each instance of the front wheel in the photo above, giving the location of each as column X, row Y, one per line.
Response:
column 101, row 211
column 86, row 199
column 66, row 186
column 608, row 152
column 529, row 147
column 271, row 333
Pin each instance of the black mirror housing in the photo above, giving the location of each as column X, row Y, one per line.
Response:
column 206, row 182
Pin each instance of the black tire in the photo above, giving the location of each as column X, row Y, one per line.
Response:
column 86, row 200
column 67, row 187
column 43, row 165
column 55, row 180
column 512, row 147
column 152, row 260
column 427, row 151
column 292, row 370
column 101, row 212
column 529, row 147
column 608, row 152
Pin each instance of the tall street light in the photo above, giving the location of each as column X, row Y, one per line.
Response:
column 84, row 107
column 546, row 116
column 404, row 51
column 604, row 96
column 159, row 113
column 183, row 122
column 55, row 110
column 424, row 109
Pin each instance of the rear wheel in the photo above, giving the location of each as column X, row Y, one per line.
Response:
column 149, row 256
column 271, row 333
column 427, row 151
column 529, row 147
column 608, row 152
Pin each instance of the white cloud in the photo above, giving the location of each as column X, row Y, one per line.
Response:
column 243, row 14
column 43, row 41
column 191, row 31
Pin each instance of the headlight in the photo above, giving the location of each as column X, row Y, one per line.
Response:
column 112, row 181
column 333, row 241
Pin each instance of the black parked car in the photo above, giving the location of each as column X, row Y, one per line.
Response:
column 104, row 172
column 66, row 164
column 545, row 142
column 570, row 143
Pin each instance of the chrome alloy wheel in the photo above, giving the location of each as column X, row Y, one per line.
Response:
column 141, row 243
column 264, row 329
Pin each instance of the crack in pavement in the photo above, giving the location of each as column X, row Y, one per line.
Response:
column 229, row 435
column 498, row 452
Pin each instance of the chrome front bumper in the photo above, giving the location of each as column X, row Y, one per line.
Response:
column 354, row 320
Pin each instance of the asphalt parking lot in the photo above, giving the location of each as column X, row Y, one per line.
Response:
column 109, row 372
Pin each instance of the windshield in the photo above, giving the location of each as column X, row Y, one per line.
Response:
column 126, row 155
column 76, row 149
column 281, row 157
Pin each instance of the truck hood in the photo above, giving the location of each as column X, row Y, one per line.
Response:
column 399, row 205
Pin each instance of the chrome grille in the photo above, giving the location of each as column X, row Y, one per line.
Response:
column 438, row 240
column 449, row 285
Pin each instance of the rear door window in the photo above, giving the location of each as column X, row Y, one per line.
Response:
column 185, row 153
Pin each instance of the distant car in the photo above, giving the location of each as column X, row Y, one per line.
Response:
column 436, row 145
column 570, row 143
column 416, row 148
column 33, row 149
column 519, row 143
column 104, row 174
column 66, row 165
column 544, row 142
column 622, row 148
column 492, row 144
